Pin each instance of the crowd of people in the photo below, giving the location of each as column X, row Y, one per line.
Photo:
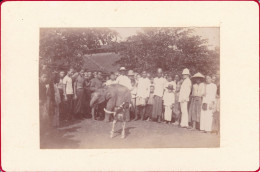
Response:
column 186, row 101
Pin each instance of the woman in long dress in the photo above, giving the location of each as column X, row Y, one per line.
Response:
column 208, row 106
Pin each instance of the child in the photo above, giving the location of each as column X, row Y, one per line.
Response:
column 149, row 105
column 168, row 102
column 170, row 82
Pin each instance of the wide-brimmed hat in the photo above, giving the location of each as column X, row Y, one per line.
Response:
column 186, row 71
column 198, row 75
column 122, row 68
column 170, row 87
column 130, row 73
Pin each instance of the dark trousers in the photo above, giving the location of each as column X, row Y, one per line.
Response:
column 141, row 112
column 62, row 106
column 149, row 110
column 69, row 107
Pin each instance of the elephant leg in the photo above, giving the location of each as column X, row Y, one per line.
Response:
column 113, row 129
column 123, row 130
column 93, row 113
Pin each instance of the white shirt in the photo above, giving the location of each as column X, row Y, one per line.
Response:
column 68, row 82
column 110, row 82
column 159, row 86
column 185, row 90
column 143, row 87
column 124, row 80
column 210, row 93
column 168, row 98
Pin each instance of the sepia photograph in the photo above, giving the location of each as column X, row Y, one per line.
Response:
column 129, row 87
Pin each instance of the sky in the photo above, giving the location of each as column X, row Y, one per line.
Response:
column 210, row 33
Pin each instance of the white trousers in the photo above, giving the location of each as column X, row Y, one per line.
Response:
column 206, row 119
column 167, row 113
column 184, row 114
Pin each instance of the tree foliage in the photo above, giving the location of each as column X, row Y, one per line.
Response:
column 172, row 49
column 66, row 47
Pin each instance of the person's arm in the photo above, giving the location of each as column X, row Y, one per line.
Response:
column 64, row 88
column 75, row 88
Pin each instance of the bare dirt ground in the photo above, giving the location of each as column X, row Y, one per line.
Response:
column 83, row 134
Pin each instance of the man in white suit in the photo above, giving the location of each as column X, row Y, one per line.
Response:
column 184, row 97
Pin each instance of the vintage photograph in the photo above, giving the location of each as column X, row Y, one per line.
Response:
column 129, row 87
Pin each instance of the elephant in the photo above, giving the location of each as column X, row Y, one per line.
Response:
column 118, row 99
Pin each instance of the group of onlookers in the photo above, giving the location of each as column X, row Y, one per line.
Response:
column 189, row 102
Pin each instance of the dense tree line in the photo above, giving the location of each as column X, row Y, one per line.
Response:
column 170, row 48
column 173, row 49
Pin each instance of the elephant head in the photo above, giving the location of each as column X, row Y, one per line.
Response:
column 98, row 97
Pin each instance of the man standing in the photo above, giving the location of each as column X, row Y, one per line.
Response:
column 79, row 85
column 68, row 93
column 184, row 97
column 143, row 91
column 87, row 93
column 60, row 87
column 159, row 83
column 95, row 84
column 123, row 79
column 176, row 108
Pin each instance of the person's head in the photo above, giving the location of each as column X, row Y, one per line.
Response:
column 70, row 72
column 151, row 89
column 159, row 72
column 185, row 73
column 131, row 74
column 176, row 78
column 122, row 71
column 213, row 79
column 112, row 76
column 170, row 88
column 144, row 74
column 95, row 74
column 208, row 79
column 43, row 78
column 81, row 72
column 169, row 78
column 99, row 75
column 197, row 80
column 89, row 74
column 62, row 74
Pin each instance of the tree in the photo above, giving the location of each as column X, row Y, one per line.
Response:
column 66, row 46
column 172, row 49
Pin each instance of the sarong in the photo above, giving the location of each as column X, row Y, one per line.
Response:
column 79, row 105
column 157, row 107
column 195, row 109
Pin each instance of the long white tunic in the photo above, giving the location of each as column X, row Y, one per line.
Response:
column 159, row 86
column 143, row 88
column 206, row 117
